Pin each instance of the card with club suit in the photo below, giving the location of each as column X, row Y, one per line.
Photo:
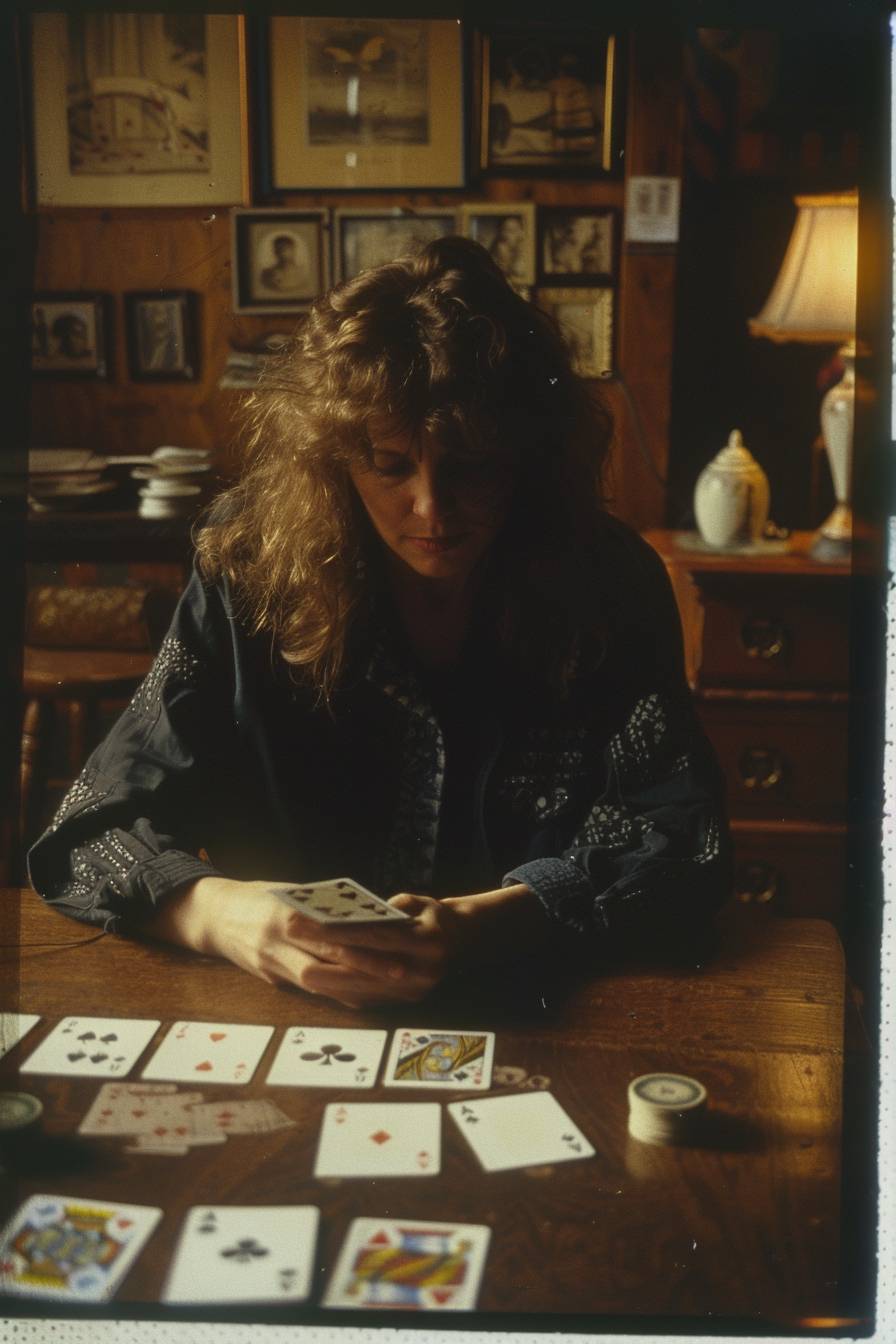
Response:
column 327, row 1057
column 208, row 1052
column 409, row 1264
column 92, row 1047
column 234, row 1253
column 449, row 1060
column 379, row 1139
column 528, row 1130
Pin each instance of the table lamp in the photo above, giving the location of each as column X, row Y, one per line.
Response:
column 814, row 299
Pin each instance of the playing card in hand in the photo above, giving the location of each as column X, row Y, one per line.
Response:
column 327, row 1057
column 78, row 1250
column 92, row 1047
column 379, row 1139
column 339, row 900
column 233, row 1253
column 460, row 1060
column 209, row 1052
column 409, row 1264
column 519, row 1131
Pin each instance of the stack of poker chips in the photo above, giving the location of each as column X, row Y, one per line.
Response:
column 665, row 1108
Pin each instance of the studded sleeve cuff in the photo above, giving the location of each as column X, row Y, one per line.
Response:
column 559, row 885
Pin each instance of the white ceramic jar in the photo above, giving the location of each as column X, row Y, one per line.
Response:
column 731, row 497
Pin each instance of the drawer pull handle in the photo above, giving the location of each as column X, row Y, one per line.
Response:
column 763, row 637
column 756, row 883
column 761, row 768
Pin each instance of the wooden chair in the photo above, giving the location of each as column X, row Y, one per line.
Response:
column 83, row 647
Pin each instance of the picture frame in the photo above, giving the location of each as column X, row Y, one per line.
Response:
column 507, row 231
column 357, row 103
column 174, row 134
column 161, row 327
column 280, row 259
column 580, row 241
column 71, row 335
column 367, row 237
column 548, row 100
column 585, row 318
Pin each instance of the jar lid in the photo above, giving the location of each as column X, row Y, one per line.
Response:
column 735, row 455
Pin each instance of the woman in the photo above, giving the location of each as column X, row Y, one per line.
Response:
column 417, row 652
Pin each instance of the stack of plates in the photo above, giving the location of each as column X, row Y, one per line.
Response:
column 665, row 1108
column 173, row 478
column 66, row 478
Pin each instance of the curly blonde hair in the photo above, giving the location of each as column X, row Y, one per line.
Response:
column 440, row 341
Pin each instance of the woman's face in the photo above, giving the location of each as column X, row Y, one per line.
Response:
column 437, row 507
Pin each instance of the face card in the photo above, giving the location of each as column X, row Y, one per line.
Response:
column 209, row 1052
column 519, row 1131
column 73, row 1249
column 244, row 1254
column 327, row 1057
column 13, row 1026
column 452, row 1060
column 379, row 1139
column 92, row 1047
column 409, row 1264
column 339, row 900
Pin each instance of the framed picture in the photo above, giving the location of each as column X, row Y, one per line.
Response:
column 507, row 231
column 71, row 335
column 585, row 317
column 162, row 335
column 139, row 109
column 582, row 241
column 548, row 100
column 364, row 102
column 365, row 238
column 281, row 259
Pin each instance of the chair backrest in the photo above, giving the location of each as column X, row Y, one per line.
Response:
column 129, row 618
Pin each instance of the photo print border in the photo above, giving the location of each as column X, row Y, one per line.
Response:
column 310, row 227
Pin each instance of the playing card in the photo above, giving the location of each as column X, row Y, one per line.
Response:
column 92, row 1047
column 209, row 1052
column 13, row 1026
column 460, row 1060
column 133, row 1108
column 409, row 1264
column 519, row 1131
column 339, row 900
column 244, row 1254
column 379, row 1139
column 238, row 1117
column 75, row 1249
column 327, row 1057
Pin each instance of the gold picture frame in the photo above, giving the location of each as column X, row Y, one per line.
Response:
column 365, row 103
column 173, row 133
column 585, row 318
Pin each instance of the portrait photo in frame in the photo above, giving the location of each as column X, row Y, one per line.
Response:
column 577, row 240
column 364, row 103
column 585, row 319
column 139, row 109
column 281, row 259
column 162, row 335
column 365, row 238
column 548, row 100
column 71, row 335
column 507, row 232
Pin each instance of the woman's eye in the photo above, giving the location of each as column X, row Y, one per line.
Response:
column 395, row 470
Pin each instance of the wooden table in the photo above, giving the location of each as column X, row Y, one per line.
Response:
column 744, row 1227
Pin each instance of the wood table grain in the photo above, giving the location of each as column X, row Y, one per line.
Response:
column 743, row 1227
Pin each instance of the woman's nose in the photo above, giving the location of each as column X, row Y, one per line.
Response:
column 428, row 500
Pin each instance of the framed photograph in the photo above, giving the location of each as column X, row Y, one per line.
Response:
column 162, row 335
column 507, row 231
column 139, row 109
column 71, row 335
column 585, row 317
column 365, row 238
column 582, row 241
column 548, row 100
column 281, row 259
column 364, row 102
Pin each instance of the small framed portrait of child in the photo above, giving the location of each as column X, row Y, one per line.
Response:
column 71, row 335
column 281, row 259
column 507, row 231
column 579, row 241
column 162, row 335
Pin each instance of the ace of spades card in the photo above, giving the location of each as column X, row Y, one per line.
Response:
column 460, row 1060
column 92, row 1047
column 327, row 1057
column 232, row 1253
column 208, row 1052
column 409, row 1264
column 379, row 1139
column 528, row 1130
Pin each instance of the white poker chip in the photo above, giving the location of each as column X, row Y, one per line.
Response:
column 664, row 1107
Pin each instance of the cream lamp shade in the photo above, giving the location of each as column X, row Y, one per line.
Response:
column 814, row 299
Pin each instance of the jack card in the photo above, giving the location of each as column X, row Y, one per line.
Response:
column 452, row 1060
column 244, row 1254
column 92, row 1047
column 339, row 900
column 208, row 1052
column 379, row 1139
column 75, row 1250
column 409, row 1264
column 519, row 1131
column 327, row 1057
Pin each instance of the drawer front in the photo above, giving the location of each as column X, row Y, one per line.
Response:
column 758, row 639
column 791, row 873
column 781, row 762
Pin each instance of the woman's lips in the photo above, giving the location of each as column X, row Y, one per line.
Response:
column 435, row 545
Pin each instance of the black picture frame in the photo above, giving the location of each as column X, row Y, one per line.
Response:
column 578, row 244
column 162, row 330
column 255, row 234
column 71, row 334
column 389, row 233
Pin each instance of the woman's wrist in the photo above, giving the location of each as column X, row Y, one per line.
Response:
column 508, row 918
column 187, row 916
